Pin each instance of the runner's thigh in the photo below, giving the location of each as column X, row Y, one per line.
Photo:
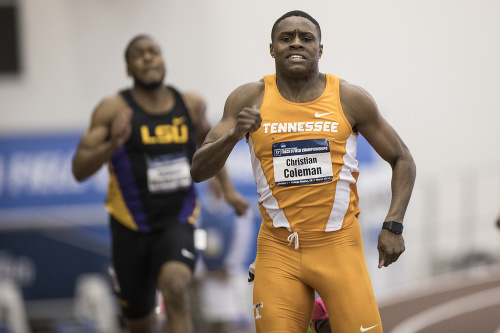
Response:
column 282, row 302
column 337, row 271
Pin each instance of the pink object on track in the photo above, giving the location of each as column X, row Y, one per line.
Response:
column 319, row 311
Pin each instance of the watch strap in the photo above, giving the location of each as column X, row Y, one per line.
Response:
column 393, row 226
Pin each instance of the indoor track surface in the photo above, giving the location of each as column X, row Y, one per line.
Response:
column 462, row 302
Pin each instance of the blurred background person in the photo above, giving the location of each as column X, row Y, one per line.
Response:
column 224, row 298
column 148, row 134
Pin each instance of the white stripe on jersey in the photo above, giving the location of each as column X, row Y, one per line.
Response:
column 343, row 191
column 267, row 199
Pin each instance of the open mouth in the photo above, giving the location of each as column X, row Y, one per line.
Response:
column 296, row 57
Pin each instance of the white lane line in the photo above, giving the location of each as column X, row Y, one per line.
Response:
column 449, row 310
column 437, row 284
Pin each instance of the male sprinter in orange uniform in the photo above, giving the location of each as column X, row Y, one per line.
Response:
column 302, row 128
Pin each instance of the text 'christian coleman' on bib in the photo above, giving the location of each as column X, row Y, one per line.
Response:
column 302, row 162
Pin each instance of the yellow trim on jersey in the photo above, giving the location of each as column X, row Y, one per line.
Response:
column 115, row 204
column 196, row 212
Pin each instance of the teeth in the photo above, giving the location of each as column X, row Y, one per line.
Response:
column 296, row 57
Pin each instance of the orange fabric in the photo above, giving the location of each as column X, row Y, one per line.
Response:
column 304, row 163
column 331, row 263
column 313, row 206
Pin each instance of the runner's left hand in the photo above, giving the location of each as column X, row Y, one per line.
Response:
column 390, row 247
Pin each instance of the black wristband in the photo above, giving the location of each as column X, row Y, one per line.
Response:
column 393, row 226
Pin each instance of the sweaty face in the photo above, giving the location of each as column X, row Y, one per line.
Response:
column 145, row 63
column 296, row 46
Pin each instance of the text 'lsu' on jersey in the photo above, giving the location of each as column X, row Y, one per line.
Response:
column 150, row 184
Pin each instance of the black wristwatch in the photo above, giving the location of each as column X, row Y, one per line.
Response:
column 393, row 226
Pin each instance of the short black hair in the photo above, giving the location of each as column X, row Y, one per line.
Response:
column 132, row 41
column 296, row 13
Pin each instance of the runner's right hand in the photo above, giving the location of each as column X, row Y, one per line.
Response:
column 248, row 121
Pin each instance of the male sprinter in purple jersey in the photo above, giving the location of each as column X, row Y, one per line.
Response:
column 147, row 135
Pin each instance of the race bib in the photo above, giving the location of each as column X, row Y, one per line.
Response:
column 168, row 173
column 302, row 162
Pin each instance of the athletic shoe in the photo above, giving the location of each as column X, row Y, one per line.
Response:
column 319, row 314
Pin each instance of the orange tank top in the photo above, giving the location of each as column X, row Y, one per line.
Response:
column 304, row 161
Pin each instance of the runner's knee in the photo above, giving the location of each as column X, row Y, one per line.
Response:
column 173, row 282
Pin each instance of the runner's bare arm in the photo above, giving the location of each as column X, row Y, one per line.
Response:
column 238, row 120
column 387, row 143
column 108, row 130
column 197, row 110
column 365, row 117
